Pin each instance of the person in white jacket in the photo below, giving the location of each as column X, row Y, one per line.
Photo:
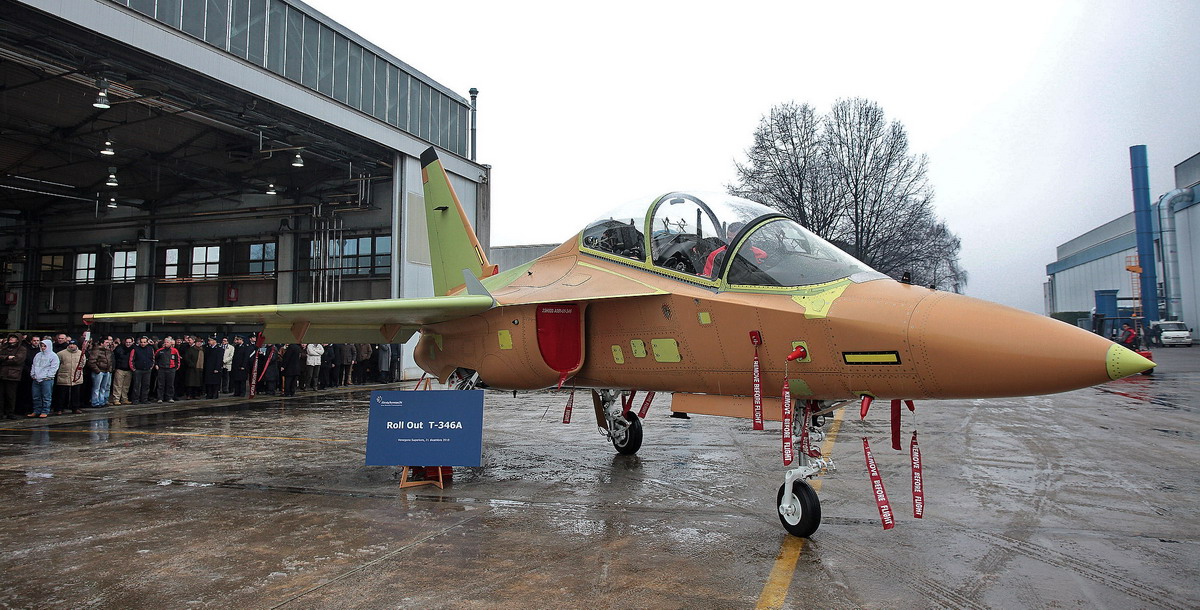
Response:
column 45, row 368
column 312, row 365
column 226, row 364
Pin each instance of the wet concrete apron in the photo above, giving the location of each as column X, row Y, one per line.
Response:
column 1083, row 499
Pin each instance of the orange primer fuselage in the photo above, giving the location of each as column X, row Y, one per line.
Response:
column 879, row 338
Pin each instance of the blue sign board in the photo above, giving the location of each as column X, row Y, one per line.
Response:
column 426, row 428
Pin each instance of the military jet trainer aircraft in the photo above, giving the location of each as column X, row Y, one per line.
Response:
column 692, row 294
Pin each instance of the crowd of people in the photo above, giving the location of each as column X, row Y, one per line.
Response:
column 44, row 376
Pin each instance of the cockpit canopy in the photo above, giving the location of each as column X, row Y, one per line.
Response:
column 689, row 234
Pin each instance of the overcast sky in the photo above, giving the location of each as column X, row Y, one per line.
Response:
column 1025, row 110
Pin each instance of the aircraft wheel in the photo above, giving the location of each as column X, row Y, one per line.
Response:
column 807, row 515
column 632, row 441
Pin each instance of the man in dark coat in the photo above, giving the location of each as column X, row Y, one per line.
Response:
column 268, row 369
column 214, row 366
column 329, row 369
column 239, row 371
column 346, row 353
column 193, row 366
column 12, row 365
column 293, row 365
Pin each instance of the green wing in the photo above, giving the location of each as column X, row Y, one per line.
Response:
column 373, row 321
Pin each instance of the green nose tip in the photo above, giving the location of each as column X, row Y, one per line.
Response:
column 1123, row 363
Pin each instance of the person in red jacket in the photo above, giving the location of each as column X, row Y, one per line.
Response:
column 166, row 362
column 1129, row 337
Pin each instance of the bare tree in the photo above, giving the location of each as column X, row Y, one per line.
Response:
column 850, row 178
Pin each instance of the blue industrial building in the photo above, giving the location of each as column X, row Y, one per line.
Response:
column 1102, row 259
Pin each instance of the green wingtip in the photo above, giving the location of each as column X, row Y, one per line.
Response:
column 1122, row 362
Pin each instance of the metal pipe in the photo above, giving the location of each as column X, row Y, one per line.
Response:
column 474, row 113
column 1171, row 247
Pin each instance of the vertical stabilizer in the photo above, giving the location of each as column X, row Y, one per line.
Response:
column 453, row 246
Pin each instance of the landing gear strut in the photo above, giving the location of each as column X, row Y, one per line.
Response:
column 623, row 428
column 799, row 506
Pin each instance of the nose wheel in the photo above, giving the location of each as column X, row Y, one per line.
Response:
column 799, row 509
column 627, row 439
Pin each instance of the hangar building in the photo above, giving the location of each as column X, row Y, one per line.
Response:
column 1098, row 259
column 164, row 154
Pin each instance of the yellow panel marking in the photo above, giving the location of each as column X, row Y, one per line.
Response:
column 774, row 593
column 816, row 303
column 618, row 354
column 799, row 387
column 638, row 347
column 705, row 317
column 666, row 350
column 871, row 358
column 808, row 352
column 437, row 339
column 505, row 338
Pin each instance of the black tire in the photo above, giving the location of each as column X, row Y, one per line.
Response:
column 1150, row 371
column 633, row 436
column 806, row 522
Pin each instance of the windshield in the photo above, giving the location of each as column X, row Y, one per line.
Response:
column 1173, row 326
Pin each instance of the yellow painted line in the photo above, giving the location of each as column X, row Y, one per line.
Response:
column 270, row 438
column 775, row 591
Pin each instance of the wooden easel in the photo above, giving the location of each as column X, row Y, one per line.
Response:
column 404, row 482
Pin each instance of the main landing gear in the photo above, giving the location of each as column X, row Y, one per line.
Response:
column 623, row 428
column 799, row 506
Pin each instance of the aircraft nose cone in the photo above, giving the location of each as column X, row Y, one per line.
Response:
column 974, row 348
column 1123, row 362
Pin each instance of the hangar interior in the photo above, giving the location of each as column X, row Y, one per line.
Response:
column 1099, row 259
column 165, row 154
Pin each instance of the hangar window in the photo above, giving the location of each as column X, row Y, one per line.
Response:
column 239, row 27
column 206, row 261
column 257, row 33
column 193, row 18
column 312, row 49
column 325, row 62
column 124, row 266
column 275, row 29
column 354, row 76
column 341, row 67
column 166, row 11
column 170, row 264
column 293, row 46
column 216, row 28
column 54, row 267
column 262, row 259
column 368, row 82
column 381, row 89
column 85, row 267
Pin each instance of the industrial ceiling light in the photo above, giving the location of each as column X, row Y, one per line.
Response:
column 271, row 189
column 101, row 97
column 297, row 161
column 112, row 202
column 112, row 177
column 108, row 150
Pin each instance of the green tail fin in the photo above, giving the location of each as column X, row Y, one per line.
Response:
column 453, row 245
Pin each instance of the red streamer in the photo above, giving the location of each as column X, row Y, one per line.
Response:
column 758, row 406
column 646, row 405
column 788, row 449
column 881, row 500
column 896, row 424
column 918, row 488
column 570, row 405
